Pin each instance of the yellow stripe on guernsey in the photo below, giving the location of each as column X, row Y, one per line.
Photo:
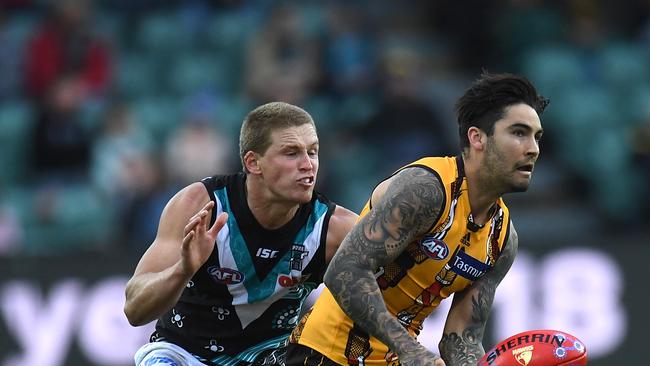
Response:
column 448, row 259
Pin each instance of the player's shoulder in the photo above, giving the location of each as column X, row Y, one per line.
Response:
column 192, row 195
column 427, row 168
column 344, row 215
column 414, row 174
column 410, row 178
column 341, row 221
column 436, row 164
column 512, row 238
column 195, row 190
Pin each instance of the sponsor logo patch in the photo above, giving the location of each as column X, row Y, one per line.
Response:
column 225, row 276
column 434, row 248
column 267, row 253
column 298, row 253
column 468, row 266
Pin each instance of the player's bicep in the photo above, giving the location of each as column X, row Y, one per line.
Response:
column 471, row 307
column 406, row 210
column 340, row 224
column 165, row 249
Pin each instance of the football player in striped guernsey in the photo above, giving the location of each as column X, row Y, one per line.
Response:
column 436, row 227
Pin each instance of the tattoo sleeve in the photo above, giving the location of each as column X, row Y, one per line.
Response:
column 405, row 211
column 461, row 342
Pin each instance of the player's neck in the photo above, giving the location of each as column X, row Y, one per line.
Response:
column 270, row 213
column 481, row 196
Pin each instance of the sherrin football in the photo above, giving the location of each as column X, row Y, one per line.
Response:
column 540, row 347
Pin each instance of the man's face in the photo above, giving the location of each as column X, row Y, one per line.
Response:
column 290, row 165
column 512, row 150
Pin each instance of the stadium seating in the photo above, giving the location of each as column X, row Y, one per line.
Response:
column 15, row 127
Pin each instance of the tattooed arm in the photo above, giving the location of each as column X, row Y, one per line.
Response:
column 461, row 342
column 404, row 208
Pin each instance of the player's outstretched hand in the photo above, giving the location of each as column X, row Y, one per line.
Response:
column 198, row 241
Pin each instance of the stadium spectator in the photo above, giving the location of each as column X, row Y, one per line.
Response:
column 64, row 46
column 66, row 66
column 199, row 140
column 283, row 60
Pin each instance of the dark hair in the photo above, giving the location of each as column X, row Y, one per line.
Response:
column 255, row 134
column 485, row 102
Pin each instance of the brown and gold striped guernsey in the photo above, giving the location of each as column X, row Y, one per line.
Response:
column 446, row 260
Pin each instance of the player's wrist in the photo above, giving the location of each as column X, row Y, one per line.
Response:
column 181, row 274
column 408, row 348
column 421, row 356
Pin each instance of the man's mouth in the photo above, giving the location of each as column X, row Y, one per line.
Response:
column 307, row 180
column 526, row 168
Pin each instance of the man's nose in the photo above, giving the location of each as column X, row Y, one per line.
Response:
column 305, row 162
column 533, row 148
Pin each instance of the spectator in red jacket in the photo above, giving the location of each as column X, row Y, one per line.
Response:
column 67, row 69
column 65, row 45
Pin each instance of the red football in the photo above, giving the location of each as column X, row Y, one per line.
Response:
column 540, row 347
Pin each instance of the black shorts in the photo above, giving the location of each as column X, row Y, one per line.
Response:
column 299, row 355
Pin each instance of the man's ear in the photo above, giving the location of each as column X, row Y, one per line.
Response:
column 477, row 138
column 251, row 162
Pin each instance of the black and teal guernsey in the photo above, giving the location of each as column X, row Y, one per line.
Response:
column 247, row 297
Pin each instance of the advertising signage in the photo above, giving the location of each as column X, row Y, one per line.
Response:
column 67, row 310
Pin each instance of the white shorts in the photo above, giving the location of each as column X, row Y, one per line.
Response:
column 164, row 354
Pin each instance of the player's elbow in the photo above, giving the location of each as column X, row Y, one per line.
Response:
column 133, row 314
column 135, row 319
column 342, row 271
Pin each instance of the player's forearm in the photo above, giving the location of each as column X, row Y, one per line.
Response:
column 357, row 293
column 461, row 342
column 149, row 295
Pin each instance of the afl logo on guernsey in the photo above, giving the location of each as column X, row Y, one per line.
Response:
column 225, row 276
column 434, row 248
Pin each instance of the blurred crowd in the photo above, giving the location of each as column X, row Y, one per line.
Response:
column 108, row 107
